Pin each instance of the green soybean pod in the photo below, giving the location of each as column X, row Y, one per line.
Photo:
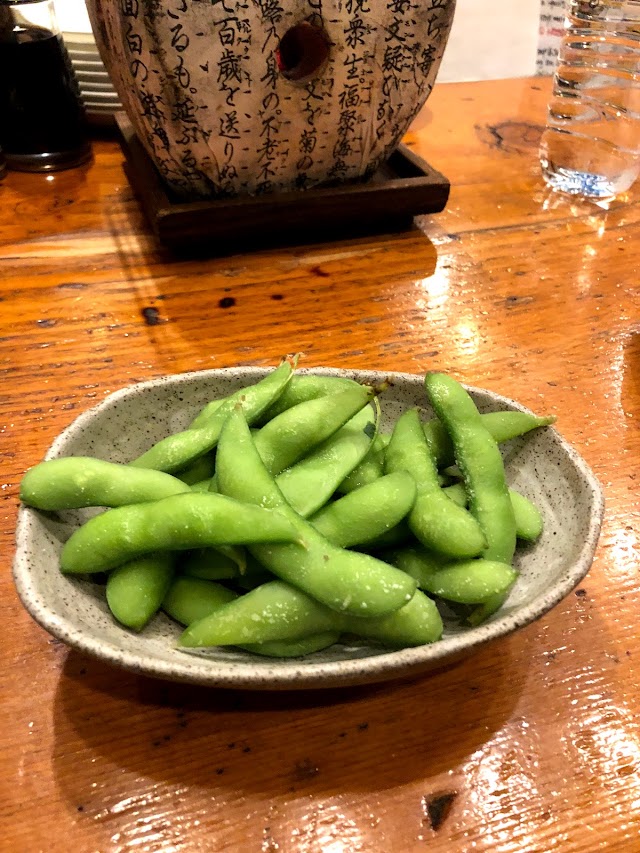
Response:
column 135, row 590
column 370, row 469
column 189, row 600
column 399, row 534
column 202, row 469
column 462, row 581
column 528, row 518
column 277, row 611
column 203, row 485
column 294, row 648
column 212, row 564
column 181, row 522
column 288, row 437
column 416, row 624
column 179, row 450
column 367, row 513
column 529, row 521
column 273, row 611
column 310, row 483
column 252, row 397
column 303, row 387
column 503, row 426
column 478, row 457
column 472, row 581
column 74, row 482
column 343, row 580
column 435, row 520
column 417, row 562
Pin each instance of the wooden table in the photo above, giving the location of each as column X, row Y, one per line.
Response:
column 534, row 743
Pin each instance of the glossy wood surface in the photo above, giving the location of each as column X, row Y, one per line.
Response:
column 531, row 745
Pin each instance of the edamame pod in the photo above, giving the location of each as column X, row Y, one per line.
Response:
column 190, row 600
column 273, row 611
column 135, row 590
column 435, row 520
column 277, row 611
column 294, row 648
column 346, row 581
column 478, row 457
column 370, row 469
column 415, row 624
column 527, row 516
column 303, row 387
column 503, row 426
column 180, row 449
column 74, row 482
column 201, row 469
column 310, row 483
column 290, row 436
column 367, row 513
column 181, row 522
column 462, row 581
column 213, row 564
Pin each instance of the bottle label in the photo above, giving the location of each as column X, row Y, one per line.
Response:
column 550, row 35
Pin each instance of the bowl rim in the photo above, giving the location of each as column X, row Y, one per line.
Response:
column 298, row 673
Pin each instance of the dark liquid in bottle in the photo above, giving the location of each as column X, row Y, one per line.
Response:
column 40, row 108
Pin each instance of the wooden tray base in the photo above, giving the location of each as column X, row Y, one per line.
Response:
column 406, row 186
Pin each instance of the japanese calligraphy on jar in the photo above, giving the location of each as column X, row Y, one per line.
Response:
column 254, row 96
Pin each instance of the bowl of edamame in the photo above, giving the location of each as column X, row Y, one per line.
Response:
column 292, row 528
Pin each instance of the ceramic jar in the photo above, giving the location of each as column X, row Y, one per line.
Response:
column 254, row 96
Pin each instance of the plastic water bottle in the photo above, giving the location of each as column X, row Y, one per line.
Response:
column 591, row 144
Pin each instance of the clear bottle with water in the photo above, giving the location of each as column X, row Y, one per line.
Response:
column 591, row 143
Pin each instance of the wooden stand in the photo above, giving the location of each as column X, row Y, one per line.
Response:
column 405, row 187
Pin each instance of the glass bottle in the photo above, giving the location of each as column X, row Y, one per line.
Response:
column 42, row 121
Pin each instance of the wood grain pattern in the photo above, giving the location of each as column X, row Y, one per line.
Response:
column 531, row 745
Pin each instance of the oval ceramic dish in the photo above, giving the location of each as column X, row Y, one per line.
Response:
column 541, row 465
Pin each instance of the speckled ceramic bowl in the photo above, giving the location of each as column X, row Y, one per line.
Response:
column 542, row 466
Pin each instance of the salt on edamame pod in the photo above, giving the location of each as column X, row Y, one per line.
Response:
column 73, row 482
column 367, row 513
column 180, row 449
column 462, row 581
column 478, row 457
column 181, row 522
column 503, row 426
column 435, row 520
column 343, row 580
column 136, row 589
column 529, row 522
column 309, row 484
column 288, row 437
column 303, row 387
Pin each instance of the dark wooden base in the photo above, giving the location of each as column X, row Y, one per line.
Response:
column 406, row 186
